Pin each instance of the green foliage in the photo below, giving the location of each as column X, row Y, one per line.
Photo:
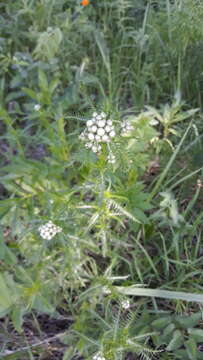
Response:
column 129, row 214
column 175, row 332
column 111, row 333
column 115, row 331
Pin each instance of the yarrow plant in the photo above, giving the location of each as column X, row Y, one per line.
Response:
column 98, row 130
column 49, row 230
column 101, row 130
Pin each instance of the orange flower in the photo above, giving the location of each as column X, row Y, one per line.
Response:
column 85, row 2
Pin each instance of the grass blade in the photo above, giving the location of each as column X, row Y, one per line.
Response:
column 165, row 294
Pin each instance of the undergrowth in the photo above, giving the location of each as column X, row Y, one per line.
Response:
column 101, row 180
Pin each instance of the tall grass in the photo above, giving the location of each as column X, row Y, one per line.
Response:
column 130, row 215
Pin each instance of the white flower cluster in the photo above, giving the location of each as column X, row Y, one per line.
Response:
column 98, row 129
column 126, row 127
column 125, row 304
column 111, row 158
column 98, row 356
column 153, row 122
column 37, row 107
column 49, row 230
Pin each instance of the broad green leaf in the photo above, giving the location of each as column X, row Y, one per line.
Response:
column 10, row 257
column 191, row 348
column 6, row 299
column 69, row 353
column 48, row 44
column 53, row 85
column 169, row 329
column 41, row 304
column 14, row 95
column 176, row 341
column 161, row 323
column 43, row 82
column 30, row 93
column 181, row 354
column 197, row 334
column 5, row 253
column 17, row 317
column 188, row 321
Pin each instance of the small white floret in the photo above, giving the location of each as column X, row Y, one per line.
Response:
column 94, row 128
column 153, row 122
column 103, row 115
column 94, row 148
column 37, row 107
column 97, row 137
column 107, row 128
column 112, row 133
column 98, row 356
column 82, row 136
column 105, row 137
column 101, row 123
column 111, row 158
column 89, row 123
column 125, row 304
column 90, row 136
column 100, row 131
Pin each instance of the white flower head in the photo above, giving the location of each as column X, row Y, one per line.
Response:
column 111, row 158
column 125, row 304
column 98, row 130
column 153, row 122
column 89, row 123
column 49, row 230
column 126, row 127
column 37, row 107
column 98, row 356
column 154, row 140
